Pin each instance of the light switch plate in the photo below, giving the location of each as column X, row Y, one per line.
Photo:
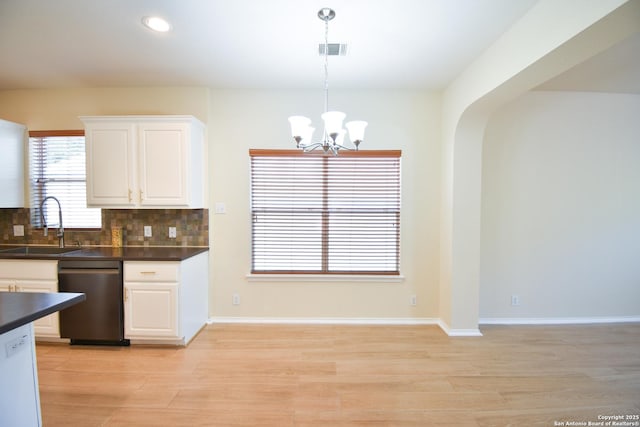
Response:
column 147, row 231
column 172, row 232
column 18, row 230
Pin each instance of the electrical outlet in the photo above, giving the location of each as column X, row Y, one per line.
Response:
column 220, row 208
column 18, row 230
column 515, row 300
column 236, row 299
column 16, row 344
column 172, row 232
column 147, row 231
column 413, row 300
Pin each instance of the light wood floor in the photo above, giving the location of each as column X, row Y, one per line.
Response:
column 276, row 375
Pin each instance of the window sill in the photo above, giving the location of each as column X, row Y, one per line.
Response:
column 370, row 278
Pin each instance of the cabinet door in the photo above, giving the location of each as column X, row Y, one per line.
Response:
column 12, row 141
column 110, row 164
column 45, row 326
column 151, row 310
column 163, row 150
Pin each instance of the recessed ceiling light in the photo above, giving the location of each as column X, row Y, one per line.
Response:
column 156, row 23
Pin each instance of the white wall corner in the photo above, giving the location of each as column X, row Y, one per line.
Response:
column 458, row 332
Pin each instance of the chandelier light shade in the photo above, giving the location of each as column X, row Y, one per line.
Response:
column 333, row 134
column 356, row 131
column 333, row 123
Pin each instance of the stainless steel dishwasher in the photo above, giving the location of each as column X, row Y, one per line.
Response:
column 100, row 318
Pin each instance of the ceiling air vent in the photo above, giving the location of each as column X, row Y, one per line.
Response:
column 334, row 49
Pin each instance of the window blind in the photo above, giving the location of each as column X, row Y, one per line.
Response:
column 57, row 168
column 313, row 213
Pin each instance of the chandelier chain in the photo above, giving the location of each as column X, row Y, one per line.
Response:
column 333, row 134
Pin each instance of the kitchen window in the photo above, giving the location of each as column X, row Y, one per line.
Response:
column 319, row 214
column 57, row 168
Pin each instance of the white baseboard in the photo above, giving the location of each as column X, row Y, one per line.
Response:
column 348, row 321
column 453, row 332
column 557, row 320
column 325, row 320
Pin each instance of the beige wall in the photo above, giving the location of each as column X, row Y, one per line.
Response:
column 522, row 58
column 241, row 120
column 561, row 208
column 441, row 138
column 59, row 108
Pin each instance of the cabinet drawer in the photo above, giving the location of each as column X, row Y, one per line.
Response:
column 142, row 271
column 29, row 269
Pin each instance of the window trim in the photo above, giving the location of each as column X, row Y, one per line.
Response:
column 322, row 277
column 326, row 275
column 45, row 133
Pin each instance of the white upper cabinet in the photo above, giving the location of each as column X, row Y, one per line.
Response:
column 111, row 169
column 145, row 161
column 12, row 146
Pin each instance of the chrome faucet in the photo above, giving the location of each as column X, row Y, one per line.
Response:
column 60, row 233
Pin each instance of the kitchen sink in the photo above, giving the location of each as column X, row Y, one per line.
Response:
column 39, row 250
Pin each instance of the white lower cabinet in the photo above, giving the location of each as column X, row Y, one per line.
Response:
column 165, row 301
column 33, row 276
column 151, row 309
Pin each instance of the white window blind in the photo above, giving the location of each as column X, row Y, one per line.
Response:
column 57, row 168
column 313, row 213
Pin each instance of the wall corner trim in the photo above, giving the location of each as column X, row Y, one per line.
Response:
column 452, row 332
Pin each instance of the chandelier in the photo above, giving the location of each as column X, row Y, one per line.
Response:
column 333, row 136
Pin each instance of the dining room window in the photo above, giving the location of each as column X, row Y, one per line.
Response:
column 324, row 214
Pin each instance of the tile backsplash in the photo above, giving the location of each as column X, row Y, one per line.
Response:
column 192, row 228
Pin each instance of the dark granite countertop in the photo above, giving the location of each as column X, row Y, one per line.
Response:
column 129, row 253
column 20, row 308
